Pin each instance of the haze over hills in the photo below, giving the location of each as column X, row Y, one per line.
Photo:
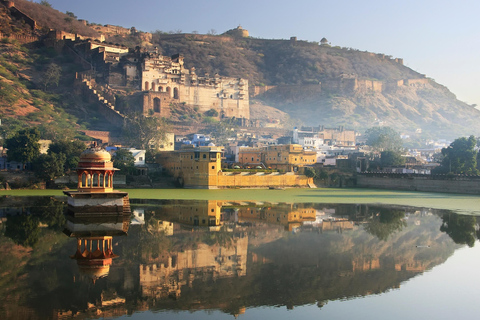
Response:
column 317, row 83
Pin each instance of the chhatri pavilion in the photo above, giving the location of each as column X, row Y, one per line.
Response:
column 95, row 193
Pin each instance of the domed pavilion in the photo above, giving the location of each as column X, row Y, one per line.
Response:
column 95, row 194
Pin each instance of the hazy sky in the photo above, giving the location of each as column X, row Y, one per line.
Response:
column 438, row 38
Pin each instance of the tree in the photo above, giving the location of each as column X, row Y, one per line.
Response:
column 384, row 138
column 391, row 158
column 123, row 159
column 45, row 3
column 460, row 228
column 71, row 149
column 460, row 157
column 386, row 222
column 141, row 131
column 71, row 14
column 23, row 229
column 310, row 172
column 49, row 166
column 51, row 75
column 23, row 146
column 223, row 130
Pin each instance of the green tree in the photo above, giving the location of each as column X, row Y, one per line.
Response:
column 124, row 160
column 142, row 132
column 391, row 158
column 23, row 229
column 45, row 3
column 71, row 150
column 49, row 166
column 460, row 157
column 51, row 75
column 460, row 228
column 223, row 130
column 23, row 146
column 386, row 222
column 71, row 14
column 310, row 172
column 384, row 138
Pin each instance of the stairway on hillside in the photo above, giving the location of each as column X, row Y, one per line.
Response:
column 105, row 98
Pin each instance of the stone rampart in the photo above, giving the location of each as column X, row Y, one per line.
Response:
column 416, row 182
column 20, row 38
column 261, row 180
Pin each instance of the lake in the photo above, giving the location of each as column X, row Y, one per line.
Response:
column 249, row 255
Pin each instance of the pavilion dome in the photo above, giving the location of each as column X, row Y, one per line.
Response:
column 95, row 155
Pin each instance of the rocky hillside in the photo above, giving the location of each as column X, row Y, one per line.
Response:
column 321, row 84
column 312, row 82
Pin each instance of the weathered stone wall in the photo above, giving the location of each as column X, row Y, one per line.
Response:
column 260, row 179
column 20, row 38
column 426, row 183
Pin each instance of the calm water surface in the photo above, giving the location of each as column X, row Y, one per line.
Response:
column 209, row 259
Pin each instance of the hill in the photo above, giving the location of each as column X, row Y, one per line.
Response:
column 320, row 84
column 312, row 82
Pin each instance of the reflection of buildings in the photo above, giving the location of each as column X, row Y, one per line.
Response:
column 214, row 213
column 195, row 213
column 291, row 216
column 161, row 280
column 411, row 265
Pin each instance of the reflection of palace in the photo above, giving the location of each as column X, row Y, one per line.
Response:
column 289, row 215
column 161, row 280
column 213, row 213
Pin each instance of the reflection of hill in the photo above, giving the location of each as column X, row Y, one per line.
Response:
column 241, row 265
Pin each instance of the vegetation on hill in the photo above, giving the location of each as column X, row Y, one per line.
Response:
column 48, row 18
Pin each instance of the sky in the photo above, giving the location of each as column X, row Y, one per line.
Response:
column 438, row 38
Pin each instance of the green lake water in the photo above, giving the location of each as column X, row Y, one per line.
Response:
column 468, row 204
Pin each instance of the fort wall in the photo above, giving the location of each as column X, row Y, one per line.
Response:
column 342, row 84
column 261, row 180
column 425, row 183
column 20, row 38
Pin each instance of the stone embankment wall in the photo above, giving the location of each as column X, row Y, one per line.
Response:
column 262, row 180
column 428, row 183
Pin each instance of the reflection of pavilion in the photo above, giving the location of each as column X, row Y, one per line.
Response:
column 94, row 252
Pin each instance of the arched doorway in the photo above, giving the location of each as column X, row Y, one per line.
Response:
column 175, row 93
column 146, row 85
column 156, row 105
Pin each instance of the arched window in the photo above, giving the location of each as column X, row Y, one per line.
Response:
column 160, row 89
column 175, row 93
column 146, row 85
column 156, row 105
column 153, row 86
column 95, row 180
column 84, row 180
